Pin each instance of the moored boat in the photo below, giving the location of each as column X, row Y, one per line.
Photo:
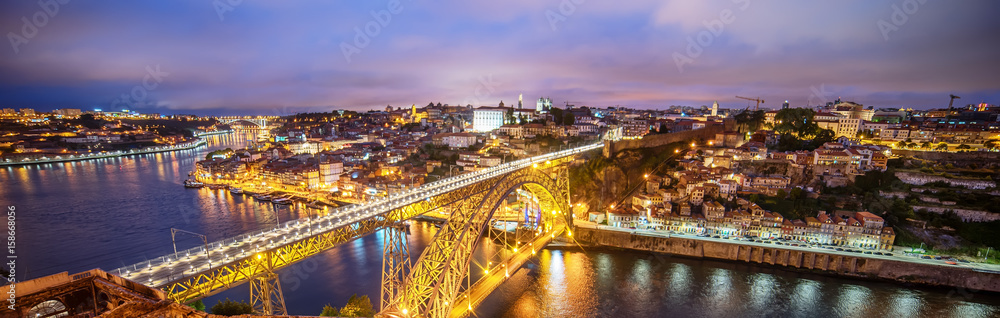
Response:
column 262, row 197
column 236, row 190
column 193, row 184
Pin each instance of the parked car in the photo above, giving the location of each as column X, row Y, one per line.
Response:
column 839, row 249
column 887, row 254
column 868, row 252
column 925, row 257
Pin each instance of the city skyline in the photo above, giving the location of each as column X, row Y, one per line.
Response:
column 277, row 59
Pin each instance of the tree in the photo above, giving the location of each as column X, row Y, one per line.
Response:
column 797, row 121
column 926, row 145
column 824, row 136
column 232, row 308
column 557, row 114
column 198, row 305
column 358, row 307
column 569, row 119
column 963, row 147
column 901, row 144
column 992, row 144
column 942, row 147
column 509, row 117
column 749, row 120
column 329, row 311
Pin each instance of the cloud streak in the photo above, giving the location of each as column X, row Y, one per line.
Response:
column 267, row 55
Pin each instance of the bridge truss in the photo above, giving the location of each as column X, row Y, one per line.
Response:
column 190, row 275
column 439, row 283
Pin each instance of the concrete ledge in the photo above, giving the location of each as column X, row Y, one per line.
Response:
column 819, row 260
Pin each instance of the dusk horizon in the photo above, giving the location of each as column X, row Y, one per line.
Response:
column 217, row 58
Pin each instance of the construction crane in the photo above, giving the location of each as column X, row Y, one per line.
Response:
column 947, row 117
column 758, row 100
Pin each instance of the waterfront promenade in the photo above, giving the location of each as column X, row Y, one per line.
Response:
column 112, row 154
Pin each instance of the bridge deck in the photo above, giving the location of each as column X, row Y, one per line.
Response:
column 186, row 266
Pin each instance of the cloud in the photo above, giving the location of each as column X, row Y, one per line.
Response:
column 268, row 56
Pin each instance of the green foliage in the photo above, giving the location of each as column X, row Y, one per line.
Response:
column 568, row 119
column 198, row 305
column 231, row 308
column 358, row 307
column 796, row 121
column 225, row 152
column 558, row 115
column 749, row 121
column 329, row 311
column 875, row 180
column 822, row 137
column 941, row 147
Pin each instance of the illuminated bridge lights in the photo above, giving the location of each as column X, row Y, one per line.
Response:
column 205, row 279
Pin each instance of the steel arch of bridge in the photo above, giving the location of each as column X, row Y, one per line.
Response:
column 261, row 263
column 433, row 286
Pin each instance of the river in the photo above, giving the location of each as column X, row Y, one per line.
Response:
column 106, row 213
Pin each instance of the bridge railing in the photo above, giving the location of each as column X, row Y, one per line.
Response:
column 345, row 215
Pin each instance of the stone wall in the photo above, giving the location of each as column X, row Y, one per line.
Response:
column 843, row 265
column 966, row 215
column 980, row 158
column 656, row 140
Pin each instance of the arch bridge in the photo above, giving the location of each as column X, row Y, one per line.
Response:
column 245, row 121
column 433, row 285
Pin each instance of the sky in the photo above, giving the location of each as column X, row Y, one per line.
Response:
column 220, row 57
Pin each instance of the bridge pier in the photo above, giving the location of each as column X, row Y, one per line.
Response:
column 395, row 264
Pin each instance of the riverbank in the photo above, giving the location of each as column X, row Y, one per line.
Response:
column 818, row 261
column 113, row 154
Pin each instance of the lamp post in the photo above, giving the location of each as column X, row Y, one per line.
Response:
column 173, row 240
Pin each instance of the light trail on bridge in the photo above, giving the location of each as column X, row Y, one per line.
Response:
column 167, row 270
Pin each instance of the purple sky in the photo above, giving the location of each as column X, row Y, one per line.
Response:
column 282, row 57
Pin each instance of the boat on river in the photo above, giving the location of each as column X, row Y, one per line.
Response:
column 193, row 184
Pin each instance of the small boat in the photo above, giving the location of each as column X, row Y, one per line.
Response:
column 216, row 186
column 313, row 205
column 193, row 184
column 283, row 201
column 262, row 197
column 236, row 190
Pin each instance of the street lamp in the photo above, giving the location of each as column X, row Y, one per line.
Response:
column 173, row 240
